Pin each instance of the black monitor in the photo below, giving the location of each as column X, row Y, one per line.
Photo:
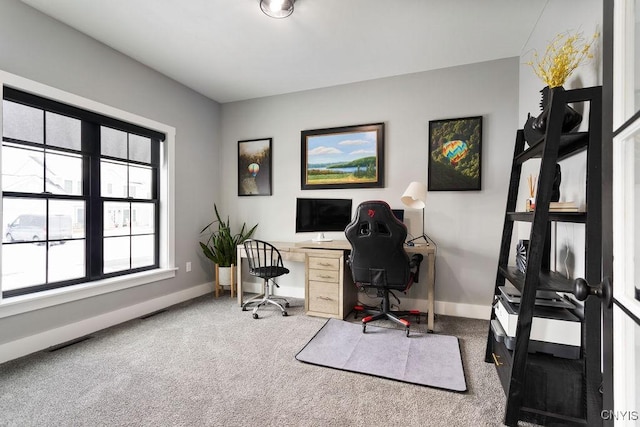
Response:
column 320, row 215
column 399, row 214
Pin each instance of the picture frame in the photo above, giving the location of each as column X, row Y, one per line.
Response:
column 254, row 167
column 342, row 157
column 455, row 154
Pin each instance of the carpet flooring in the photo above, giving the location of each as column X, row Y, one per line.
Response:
column 207, row 363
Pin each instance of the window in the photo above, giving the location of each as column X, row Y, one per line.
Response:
column 80, row 195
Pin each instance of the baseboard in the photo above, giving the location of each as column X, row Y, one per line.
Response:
column 284, row 291
column 472, row 311
column 454, row 309
column 31, row 344
column 445, row 308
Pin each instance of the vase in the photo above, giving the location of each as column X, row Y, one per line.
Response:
column 225, row 276
column 536, row 127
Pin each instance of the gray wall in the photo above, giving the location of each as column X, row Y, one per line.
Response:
column 465, row 225
column 39, row 48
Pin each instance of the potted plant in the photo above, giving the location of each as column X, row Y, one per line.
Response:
column 221, row 244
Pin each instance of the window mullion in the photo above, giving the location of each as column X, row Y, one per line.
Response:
column 91, row 188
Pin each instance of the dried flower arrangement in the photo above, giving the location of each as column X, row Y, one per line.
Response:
column 566, row 52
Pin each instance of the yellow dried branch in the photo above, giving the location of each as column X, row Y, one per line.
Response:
column 566, row 52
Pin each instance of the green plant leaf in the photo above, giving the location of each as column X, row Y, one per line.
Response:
column 220, row 243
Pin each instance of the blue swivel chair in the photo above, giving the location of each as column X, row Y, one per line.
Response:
column 378, row 259
column 265, row 262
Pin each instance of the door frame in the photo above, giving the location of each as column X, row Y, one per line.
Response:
column 607, row 201
column 620, row 121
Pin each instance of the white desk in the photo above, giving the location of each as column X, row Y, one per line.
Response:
column 308, row 252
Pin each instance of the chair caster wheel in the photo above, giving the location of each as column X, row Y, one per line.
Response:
column 255, row 315
column 286, row 305
column 244, row 308
column 284, row 314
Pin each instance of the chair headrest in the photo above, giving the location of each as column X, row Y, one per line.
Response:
column 375, row 218
column 377, row 242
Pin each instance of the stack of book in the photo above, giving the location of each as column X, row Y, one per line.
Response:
column 563, row 207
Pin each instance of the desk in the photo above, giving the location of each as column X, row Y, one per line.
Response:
column 310, row 253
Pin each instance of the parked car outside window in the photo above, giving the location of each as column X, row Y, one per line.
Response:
column 30, row 227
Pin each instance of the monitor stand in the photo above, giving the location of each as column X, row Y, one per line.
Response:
column 321, row 238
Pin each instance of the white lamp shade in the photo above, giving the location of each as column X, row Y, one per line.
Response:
column 415, row 195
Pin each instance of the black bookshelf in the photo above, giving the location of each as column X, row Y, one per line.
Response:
column 539, row 387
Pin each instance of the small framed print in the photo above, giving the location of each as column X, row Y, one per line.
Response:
column 254, row 167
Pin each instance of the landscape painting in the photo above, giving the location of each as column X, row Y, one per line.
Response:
column 254, row 167
column 455, row 153
column 344, row 157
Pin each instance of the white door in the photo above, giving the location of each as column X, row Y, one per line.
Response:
column 626, row 215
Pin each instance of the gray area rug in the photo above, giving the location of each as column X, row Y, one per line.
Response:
column 423, row 359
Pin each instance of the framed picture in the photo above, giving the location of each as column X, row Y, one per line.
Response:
column 254, row 167
column 455, row 154
column 343, row 157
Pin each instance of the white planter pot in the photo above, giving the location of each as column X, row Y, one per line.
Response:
column 224, row 278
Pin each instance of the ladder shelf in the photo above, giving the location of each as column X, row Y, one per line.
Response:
column 540, row 387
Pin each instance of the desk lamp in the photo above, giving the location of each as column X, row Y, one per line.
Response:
column 414, row 197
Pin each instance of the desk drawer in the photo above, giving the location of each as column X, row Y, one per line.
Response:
column 324, row 297
column 324, row 263
column 331, row 276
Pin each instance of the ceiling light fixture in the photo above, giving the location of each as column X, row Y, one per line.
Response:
column 277, row 8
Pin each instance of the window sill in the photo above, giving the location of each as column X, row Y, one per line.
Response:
column 26, row 303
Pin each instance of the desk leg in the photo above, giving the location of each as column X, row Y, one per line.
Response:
column 239, row 275
column 233, row 279
column 431, row 287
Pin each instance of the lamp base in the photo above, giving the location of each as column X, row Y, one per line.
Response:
column 411, row 242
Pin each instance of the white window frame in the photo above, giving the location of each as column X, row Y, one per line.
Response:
column 625, row 330
column 39, row 300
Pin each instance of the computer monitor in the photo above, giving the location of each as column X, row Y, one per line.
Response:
column 398, row 213
column 319, row 215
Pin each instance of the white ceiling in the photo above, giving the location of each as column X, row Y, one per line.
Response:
column 228, row 50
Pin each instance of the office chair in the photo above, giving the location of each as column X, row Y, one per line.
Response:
column 378, row 259
column 264, row 262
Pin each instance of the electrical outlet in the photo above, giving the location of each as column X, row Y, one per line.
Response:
column 188, row 267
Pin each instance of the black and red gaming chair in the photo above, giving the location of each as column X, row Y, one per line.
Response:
column 378, row 258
